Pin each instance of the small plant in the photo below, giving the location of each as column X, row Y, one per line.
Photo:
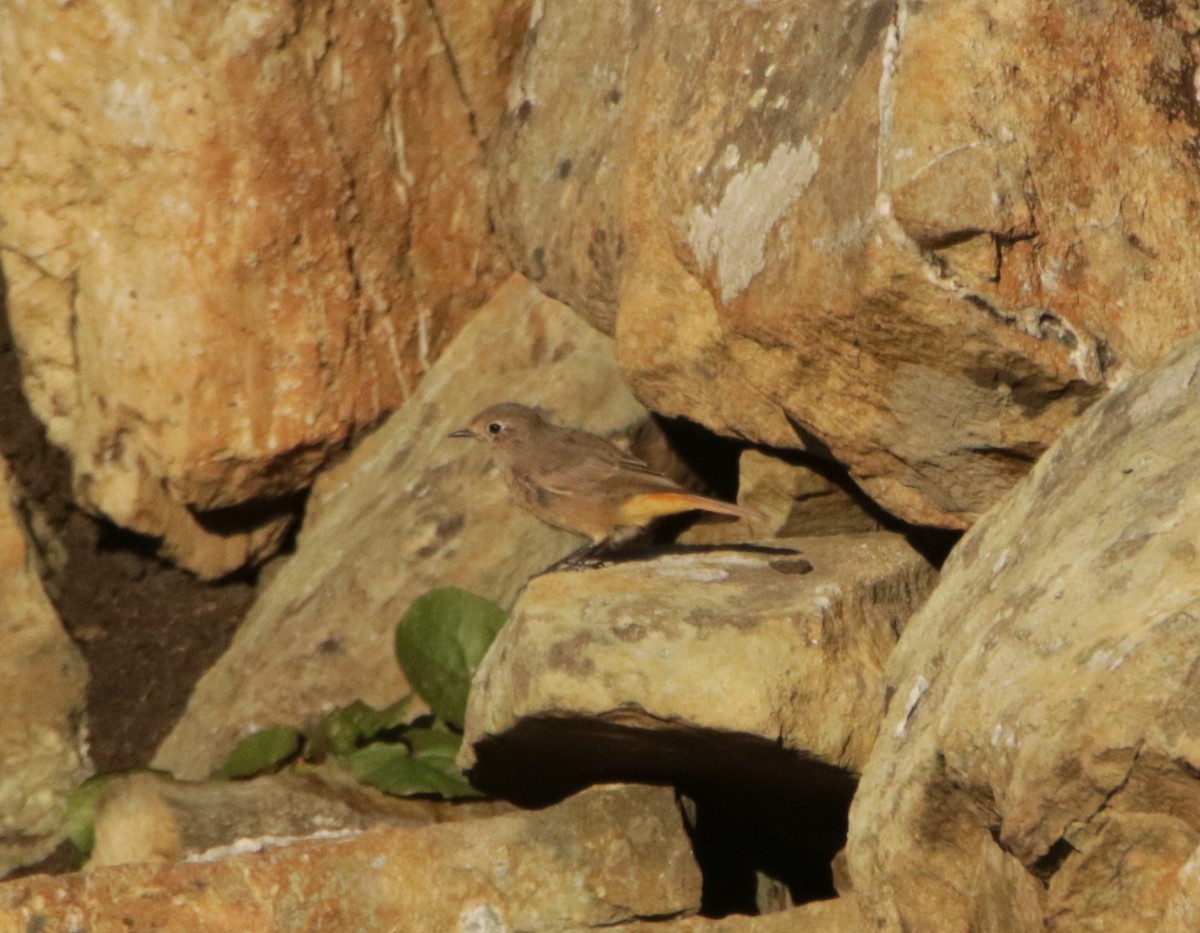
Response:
column 440, row 642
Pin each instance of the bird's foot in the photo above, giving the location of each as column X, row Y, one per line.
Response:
column 587, row 557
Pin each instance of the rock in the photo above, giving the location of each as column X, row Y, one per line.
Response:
column 555, row 161
column 1183, row 909
column 1038, row 763
column 752, row 679
column 784, row 642
column 606, row 857
column 876, row 228
column 483, row 41
column 43, row 690
column 232, row 239
column 838, row 915
column 800, row 497
column 146, row 816
column 408, row 510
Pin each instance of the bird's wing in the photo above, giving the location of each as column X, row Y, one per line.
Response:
column 589, row 464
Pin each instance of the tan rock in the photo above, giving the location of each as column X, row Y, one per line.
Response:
column 43, row 689
column 1183, row 909
column 798, row 500
column 483, row 41
column 556, row 161
column 918, row 245
column 145, row 816
column 231, row 239
column 408, row 510
column 839, row 915
column 605, row 857
column 1043, row 739
column 784, row 643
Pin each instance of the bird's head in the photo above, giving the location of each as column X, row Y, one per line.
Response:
column 504, row 426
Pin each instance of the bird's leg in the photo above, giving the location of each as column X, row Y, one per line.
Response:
column 587, row 556
column 598, row 553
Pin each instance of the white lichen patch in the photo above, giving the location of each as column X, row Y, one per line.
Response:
column 733, row 234
column 910, row 705
column 244, row 846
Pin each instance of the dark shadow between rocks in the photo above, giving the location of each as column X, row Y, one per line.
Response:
column 757, row 809
column 931, row 542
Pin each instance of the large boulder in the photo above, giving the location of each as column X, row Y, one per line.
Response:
column 784, row 641
column 408, row 510
column 43, row 689
column 912, row 235
column 751, row 678
column 1038, row 765
column 600, row 859
column 234, row 236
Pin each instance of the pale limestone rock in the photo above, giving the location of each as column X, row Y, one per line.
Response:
column 798, row 501
column 408, row 510
column 232, row 236
column 785, row 643
column 146, row 816
column 1044, row 726
column 608, row 856
column 915, row 234
column 556, row 161
column 43, row 687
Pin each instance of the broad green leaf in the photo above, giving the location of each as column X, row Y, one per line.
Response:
column 435, row 740
column 392, row 768
column 439, row 643
column 259, row 752
column 347, row 728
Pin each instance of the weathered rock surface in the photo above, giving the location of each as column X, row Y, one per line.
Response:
column 798, row 500
column 231, row 239
column 784, row 642
column 838, row 915
column 751, row 679
column 605, row 857
column 1039, row 761
column 147, row 816
column 408, row 510
column 915, row 234
column 43, row 686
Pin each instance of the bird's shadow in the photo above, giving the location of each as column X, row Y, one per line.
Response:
column 589, row 559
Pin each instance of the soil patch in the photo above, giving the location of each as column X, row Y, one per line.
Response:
column 147, row 630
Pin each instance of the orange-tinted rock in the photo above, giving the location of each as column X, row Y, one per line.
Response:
column 922, row 236
column 231, row 239
column 601, row 858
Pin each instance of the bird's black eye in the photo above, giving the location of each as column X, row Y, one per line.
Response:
column 495, row 427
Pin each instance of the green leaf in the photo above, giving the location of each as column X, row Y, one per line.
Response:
column 431, row 741
column 394, row 769
column 260, row 752
column 439, row 643
column 79, row 825
column 345, row 729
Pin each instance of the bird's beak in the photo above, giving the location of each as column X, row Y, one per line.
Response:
column 461, row 432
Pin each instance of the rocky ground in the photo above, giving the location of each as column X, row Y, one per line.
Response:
column 915, row 281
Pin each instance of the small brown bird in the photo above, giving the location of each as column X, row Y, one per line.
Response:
column 580, row 482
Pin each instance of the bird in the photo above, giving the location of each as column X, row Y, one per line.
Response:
column 580, row 482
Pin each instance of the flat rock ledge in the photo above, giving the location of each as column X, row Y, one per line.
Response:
column 749, row 677
column 604, row 857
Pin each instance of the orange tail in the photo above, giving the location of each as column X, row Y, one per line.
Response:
column 642, row 508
